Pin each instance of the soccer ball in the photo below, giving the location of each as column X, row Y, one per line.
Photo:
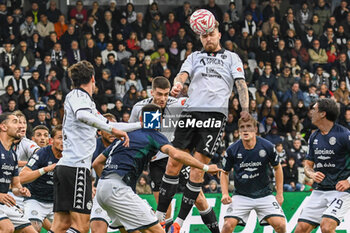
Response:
column 202, row 21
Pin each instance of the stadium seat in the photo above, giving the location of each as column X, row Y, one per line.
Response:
column 26, row 76
column 252, row 90
column 7, row 79
column 252, row 64
column 37, row 63
column 110, row 105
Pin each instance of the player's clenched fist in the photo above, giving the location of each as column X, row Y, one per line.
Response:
column 226, row 199
column 177, row 88
column 318, row 177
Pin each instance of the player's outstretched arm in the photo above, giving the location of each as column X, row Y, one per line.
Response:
column 310, row 172
column 28, row 175
column 226, row 199
column 99, row 164
column 279, row 183
column 18, row 189
column 186, row 159
column 179, row 81
column 243, row 95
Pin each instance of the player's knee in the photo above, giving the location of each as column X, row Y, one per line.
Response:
column 201, row 203
column 98, row 227
column 229, row 225
column 301, row 227
column 37, row 225
column 7, row 228
column 280, row 227
column 173, row 167
column 326, row 227
column 196, row 175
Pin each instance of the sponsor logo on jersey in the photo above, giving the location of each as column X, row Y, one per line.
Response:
column 250, row 164
column 323, row 157
column 332, row 141
column 252, row 176
column 239, row 69
column 324, row 152
column 211, row 61
column 319, row 165
column 152, row 120
column 7, row 167
column 249, row 169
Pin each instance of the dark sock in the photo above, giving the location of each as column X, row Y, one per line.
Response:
column 167, row 191
column 72, row 230
column 209, row 218
column 168, row 223
column 189, row 197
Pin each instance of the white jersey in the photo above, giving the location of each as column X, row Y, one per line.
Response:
column 212, row 77
column 25, row 149
column 171, row 112
column 79, row 139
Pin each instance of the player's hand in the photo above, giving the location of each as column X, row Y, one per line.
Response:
column 318, row 177
column 279, row 198
column 213, row 169
column 24, row 192
column 50, row 167
column 122, row 136
column 7, row 199
column 342, row 185
column 226, row 199
column 177, row 88
column 244, row 115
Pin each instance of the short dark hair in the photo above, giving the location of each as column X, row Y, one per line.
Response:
column 160, row 82
column 330, row 107
column 81, row 73
column 109, row 116
column 151, row 108
column 41, row 127
column 5, row 116
column 55, row 130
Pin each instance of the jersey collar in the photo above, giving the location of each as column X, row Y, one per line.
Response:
column 81, row 89
column 213, row 54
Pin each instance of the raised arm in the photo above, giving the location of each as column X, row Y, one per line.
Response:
column 243, row 95
column 179, row 81
column 28, row 175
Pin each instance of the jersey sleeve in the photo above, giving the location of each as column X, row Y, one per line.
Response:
column 237, row 71
column 31, row 147
column 158, row 140
column 347, row 140
column 135, row 114
column 34, row 162
column 187, row 65
column 110, row 148
column 227, row 161
column 79, row 101
column 273, row 156
column 310, row 152
column 15, row 171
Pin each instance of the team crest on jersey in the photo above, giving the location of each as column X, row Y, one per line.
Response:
column 239, row 69
column 229, row 209
column 223, row 56
column 89, row 205
column 34, row 213
column 332, row 141
column 262, row 153
column 98, row 211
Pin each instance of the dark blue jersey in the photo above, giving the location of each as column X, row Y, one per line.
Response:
column 129, row 162
column 9, row 168
column 42, row 188
column 331, row 155
column 99, row 148
column 251, row 167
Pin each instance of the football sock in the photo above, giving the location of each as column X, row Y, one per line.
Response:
column 209, row 218
column 189, row 197
column 166, row 193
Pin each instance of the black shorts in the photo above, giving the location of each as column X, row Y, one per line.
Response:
column 200, row 131
column 156, row 172
column 72, row 189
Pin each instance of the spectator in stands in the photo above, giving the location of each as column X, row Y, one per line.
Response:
column 123, row 27
column 51, row 40
column 160, row 66
column 341, row 11
column 248, row 23
column 265, row 92
column 24, row 58
column 271, row 10
column 172, row 26
column 67, row 38
column 273, row 39
column 327, row 38
column 342, row 94
column 116, row 13
column 132, row 80
column 118, row 110
column 122, row 53
column 44, row 27
column 334, row 80
column 106, row 27
column 140, row 26
column 66, row 82
column 282, row 50
column 91, row 51
column 130, row 13
column 346, row 121
column 267, row 78
column 233, row 13
column 341, row 38
column 284, row 82
column 129, row 100
column 36, row 45
column 296, row 124
column 30, row 112
column 35, row 12
column 263, row 54
column 300, row 53
column 52, row 83
column 266, row 109
column 132, row 66
column 308, row 37
column 226, row 23
column 60, row 26
column 273, row 136
column 51, row 109
column 156, row 25
column 304, row 15
column 115, row 67
column 109, row 50
column 215, row 9
column 57, row 54
column 256, row 13
column 290, row 23
column 74, row 54
column 269, row 25
column 133, row 44
column 290, row 175
column 18, row 15
column 182, row 38
column 9, row 94
column 142, row 187
column 311, row 95
column 323, row 11
column 320, row 77
column 266, row 125
column 294, row 94
column 10, row 30
column 316, row 26
column 146, row 72
column 284, row 124
column 45, row 66
column 147, row 44
column 230, row 35
column 41, row 120
column 27, row 28
column 96, row 12
column 318, row 55
column 36, row 85
column 301, row 110
column 53, row 13
column 7, row 60
column 11, row 106
column 342, row 64
column 19, row 84
column 79, row 13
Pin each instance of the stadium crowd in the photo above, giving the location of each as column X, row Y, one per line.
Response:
column 294, row 52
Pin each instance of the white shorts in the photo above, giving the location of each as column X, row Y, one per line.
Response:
column 124, row 207
column 15, row 215
column 264, row 207
column 35, row 210
column 19, row 200
column 329, row 204
column 97, row 213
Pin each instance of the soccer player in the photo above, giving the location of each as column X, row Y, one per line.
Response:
column 72, row 179
column 99, row 219
column 171, row 109
column 41, row 135
column 123, row 166
column 213, row 72
column 38, row 175
column 327, row 163
column 251, row 158
column 11, row 216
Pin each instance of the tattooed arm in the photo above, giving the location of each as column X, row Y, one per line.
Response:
column 243, row 97
column 179, row 81
column 310, row 172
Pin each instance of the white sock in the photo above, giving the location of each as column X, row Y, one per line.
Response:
column 205, row 211
column 179, row 221
column 161, row 216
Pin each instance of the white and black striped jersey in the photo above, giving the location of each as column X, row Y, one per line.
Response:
column 171, row 113
column 212, row 77
column 25, row 149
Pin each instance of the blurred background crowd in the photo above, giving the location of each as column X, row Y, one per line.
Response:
column 293, row 51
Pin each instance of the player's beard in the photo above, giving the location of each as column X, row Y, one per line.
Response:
column 211, row 47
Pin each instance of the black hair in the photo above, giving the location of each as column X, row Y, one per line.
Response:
column 5, row 116
column 160, row 82
column 81, row 73
column 330, row 107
